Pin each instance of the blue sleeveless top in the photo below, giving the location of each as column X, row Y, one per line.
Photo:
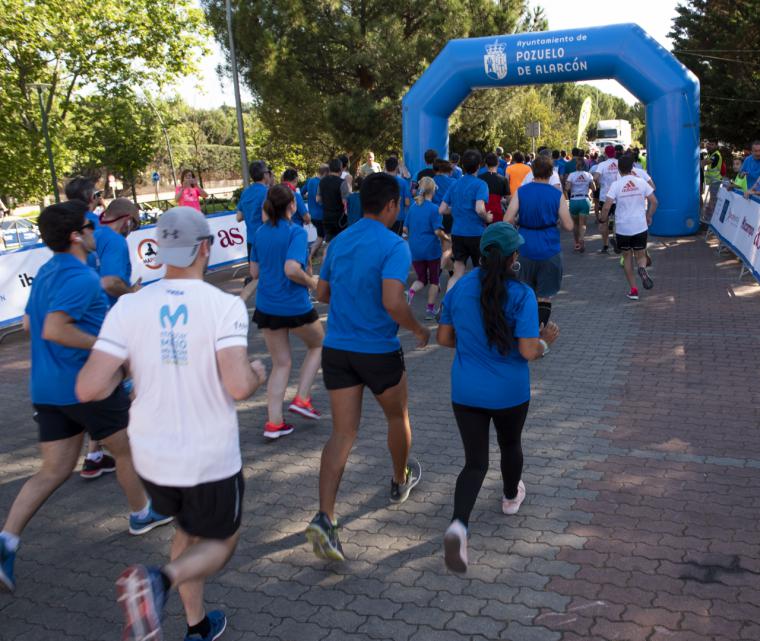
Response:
column 539, row 214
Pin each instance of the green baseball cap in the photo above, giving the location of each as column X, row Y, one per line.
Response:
column 504, row 235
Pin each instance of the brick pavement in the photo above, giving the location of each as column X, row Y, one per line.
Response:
column 641, row 521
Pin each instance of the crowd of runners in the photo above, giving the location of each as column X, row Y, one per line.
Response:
column 152, row 373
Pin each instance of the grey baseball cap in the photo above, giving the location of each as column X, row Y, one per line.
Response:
column 180, row 231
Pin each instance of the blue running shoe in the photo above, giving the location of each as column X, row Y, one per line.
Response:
column 323, row 536
column 218, row 625
column 7, row 559
column 138, row 526
column 140, row 592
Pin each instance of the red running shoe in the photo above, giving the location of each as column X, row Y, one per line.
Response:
column 273, row 431
column 304, row 408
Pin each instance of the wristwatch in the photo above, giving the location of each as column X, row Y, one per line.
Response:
column 545, row 345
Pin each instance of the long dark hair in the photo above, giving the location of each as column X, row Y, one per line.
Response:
column 495, row 270
column 276, row 204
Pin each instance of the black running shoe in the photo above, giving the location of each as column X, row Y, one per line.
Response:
column 400, row 491
column 646, row 279
column 95, row 469
column 323, row 536
column 604, row 250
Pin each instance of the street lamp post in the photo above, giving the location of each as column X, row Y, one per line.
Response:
column 48, row 146
column 238, row 105
column 166, row 135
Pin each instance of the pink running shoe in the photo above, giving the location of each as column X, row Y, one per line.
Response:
column 511, row 506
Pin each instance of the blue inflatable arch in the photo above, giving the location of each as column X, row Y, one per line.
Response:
column 624, row 52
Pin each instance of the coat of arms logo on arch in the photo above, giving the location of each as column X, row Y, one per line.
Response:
column 495, row 61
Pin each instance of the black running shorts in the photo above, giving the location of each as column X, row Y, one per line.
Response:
column 320, row 227
column 209, row 510
column 379, row 372
column 274, row 322
column 466, row 247
column 637, row 242
column 100, row 419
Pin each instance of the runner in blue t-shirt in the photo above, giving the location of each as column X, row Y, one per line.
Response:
column 115, row 268
column 393, row 167
column 280, row 262
column 424, row 229
column 63, row 316
column 311, row 190
column 249, row 207
column 491, row 320
column 364, row 280
column 456, row 170
column 443, row 180
column 466, row 201
column 301, row 215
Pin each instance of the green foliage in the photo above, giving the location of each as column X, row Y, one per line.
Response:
column 122, row 135
column 79, row 48
column 330, row 75
column 717, row 40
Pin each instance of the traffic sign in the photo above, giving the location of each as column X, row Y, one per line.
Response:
column 533, row 129
column 155, row 177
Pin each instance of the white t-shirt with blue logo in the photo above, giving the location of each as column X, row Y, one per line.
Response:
column 183, row 426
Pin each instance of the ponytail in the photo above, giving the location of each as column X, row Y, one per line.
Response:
column 276, row 205
column 426, row 186
column 495, row 270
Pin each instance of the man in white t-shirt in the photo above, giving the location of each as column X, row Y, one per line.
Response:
column 186, row 344
column 630, row 196
column 606, row 173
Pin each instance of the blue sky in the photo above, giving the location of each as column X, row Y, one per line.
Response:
column 206, row 89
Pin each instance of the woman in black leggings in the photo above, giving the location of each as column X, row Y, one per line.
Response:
column 491, row 319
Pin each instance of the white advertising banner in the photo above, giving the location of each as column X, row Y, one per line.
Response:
column 18, row 268
column 229, row 247
column 736, row 221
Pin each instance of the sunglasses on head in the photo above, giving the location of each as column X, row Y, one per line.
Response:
column 133, row 224
column 210, row 239
column 88, row 225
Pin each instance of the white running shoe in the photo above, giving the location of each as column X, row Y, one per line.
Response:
column 455, row 547
column 511, row 506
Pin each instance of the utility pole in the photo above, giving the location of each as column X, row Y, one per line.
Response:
column 238, row 105
column 48, row 146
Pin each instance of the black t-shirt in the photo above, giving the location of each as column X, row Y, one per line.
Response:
column 331, row 192
column 497, row 185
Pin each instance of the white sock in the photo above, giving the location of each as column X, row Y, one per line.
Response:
column 95, row 456
column 142, row 514
column 11, row 540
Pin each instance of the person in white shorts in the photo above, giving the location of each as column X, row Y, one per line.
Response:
column 186, row 344
column 635, row 205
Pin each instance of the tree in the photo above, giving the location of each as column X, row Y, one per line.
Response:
column 331, row 75
column 122, row 135
column 717, row 40
column 75, row 46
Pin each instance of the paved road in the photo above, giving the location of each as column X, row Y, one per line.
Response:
column 641, row 522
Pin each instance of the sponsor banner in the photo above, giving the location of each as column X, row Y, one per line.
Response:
column 17, row 271
column 18, row 268
column 229, row 247
column 736, row 221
